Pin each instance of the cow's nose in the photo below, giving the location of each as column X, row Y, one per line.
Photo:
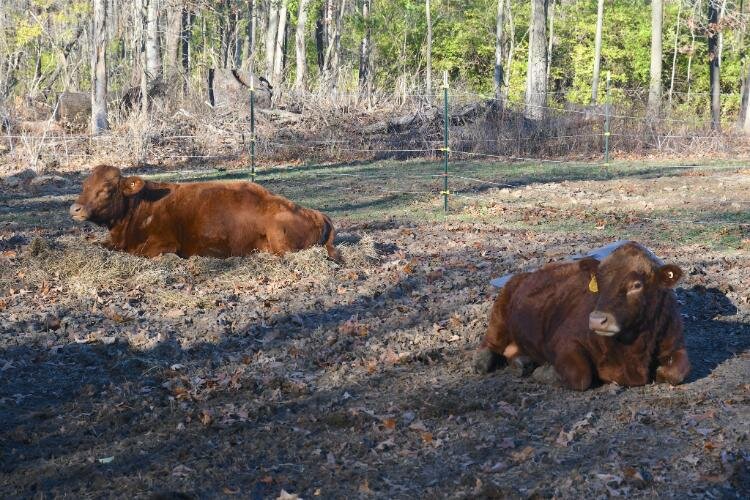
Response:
column 603, row 323
column 77, row 211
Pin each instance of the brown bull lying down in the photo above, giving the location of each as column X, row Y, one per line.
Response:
column 614, row 320
column 218, row 219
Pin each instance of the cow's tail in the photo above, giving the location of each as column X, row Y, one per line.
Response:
column 326, row 239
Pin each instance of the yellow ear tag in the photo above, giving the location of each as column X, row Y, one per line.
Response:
column 593, row 285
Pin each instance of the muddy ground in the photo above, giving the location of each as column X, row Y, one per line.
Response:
column 262, row 376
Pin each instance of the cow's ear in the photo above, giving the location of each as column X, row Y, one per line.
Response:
column 131, row 185
column 669, row 275
column 588, row 264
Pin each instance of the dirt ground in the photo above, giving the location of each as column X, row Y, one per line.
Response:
column 261, row 377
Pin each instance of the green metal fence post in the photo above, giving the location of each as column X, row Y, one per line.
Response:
column 252, row 128
column 446, row 150
column 607, row 105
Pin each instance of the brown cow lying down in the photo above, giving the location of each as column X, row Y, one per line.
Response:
column 614, row 321
column 218, row 219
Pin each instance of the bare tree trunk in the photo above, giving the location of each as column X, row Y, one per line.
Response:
column 99, row 68
column 143, row 52
column 299, row 45
column 745, row 100
column 674, row 52
column 238, row 40
column 744, row 69
column 278, row 60
column 320, row 37
column 654, row 90
column 713, row 64
column 271, row 33
column 153, row 56
column 249, row 57
column 551, row 40
column 696, row 9
column 536, row 73
column 185, row 36
column 511, row 48
column 428, row 70
column 172, row 38
column 597, row 51
column 720, row 48
column 364, row 51
column 334, row 48
column 332, row 29
column 499, row 25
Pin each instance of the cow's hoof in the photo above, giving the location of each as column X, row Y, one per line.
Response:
column 546, row 374
column 666, row 376
column 486, row 361
column 522, row 366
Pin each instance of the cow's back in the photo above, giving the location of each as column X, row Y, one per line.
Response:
column 235, row 218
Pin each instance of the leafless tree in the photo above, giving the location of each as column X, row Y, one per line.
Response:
column 428, row 56
column 174, row 9
column 597, row 51
column 536, row 76
column 272, row 25
column 654, row 89
column 278, row 57
column 499, row 73
column 299, row 44
column 153, row 48
column 365, row 59
column 713, row 64
column 674, row 50
column 99, row 68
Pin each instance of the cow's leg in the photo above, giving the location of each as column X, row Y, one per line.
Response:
column 674, row 365
column 498, row 346
column 519, row 364
column 574, row 368
column 278, row 242
column 674, row 368
column 490, row 354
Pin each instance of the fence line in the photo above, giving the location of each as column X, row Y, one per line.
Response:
column 586, row 112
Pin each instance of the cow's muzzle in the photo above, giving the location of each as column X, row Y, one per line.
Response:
column 603, row 323
column 79, row 212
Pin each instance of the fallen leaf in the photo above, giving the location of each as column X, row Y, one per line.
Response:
column 507, row 443
column 410, row 266
column 284, row 495
column 385, row 444
column 107, row 460
column 206, row 417
column 426, row 437
column 365, row 487
column 230, row 491
column 174, row 313
column 389, row 423
column 691, row 459
column 609, row 478
column 418, row 425
column 522, row 455
column 182, row 471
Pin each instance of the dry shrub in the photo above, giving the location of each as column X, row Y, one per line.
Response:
column 328, row 126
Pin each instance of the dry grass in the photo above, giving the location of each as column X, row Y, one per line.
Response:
column 83, row 269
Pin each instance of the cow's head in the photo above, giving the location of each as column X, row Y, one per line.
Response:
column 629, row 283
column 103, row 199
